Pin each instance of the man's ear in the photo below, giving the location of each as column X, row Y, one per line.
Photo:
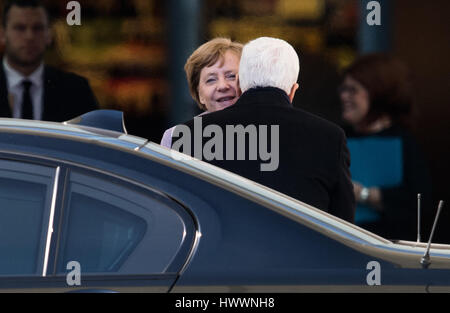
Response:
column 239, row 86
column 292, row 93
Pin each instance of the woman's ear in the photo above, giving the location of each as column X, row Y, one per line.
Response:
column 201, row 99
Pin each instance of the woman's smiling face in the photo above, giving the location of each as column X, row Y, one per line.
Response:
column 218, row 87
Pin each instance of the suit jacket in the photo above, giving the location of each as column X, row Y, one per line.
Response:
column 313, row 156
column 66, row 95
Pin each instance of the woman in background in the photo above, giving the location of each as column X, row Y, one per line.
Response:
column 212, row 75
column 387, row 167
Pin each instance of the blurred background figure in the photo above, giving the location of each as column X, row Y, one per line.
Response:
column 30, row 89
column 387, row 166
column 212, row 75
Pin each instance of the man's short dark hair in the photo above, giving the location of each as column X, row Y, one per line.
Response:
column 21, row 4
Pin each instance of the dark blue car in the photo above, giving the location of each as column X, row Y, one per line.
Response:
column 89, row 208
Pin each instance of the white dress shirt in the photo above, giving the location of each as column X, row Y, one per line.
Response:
column 15, row 90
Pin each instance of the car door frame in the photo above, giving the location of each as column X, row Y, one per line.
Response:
column 45, row 282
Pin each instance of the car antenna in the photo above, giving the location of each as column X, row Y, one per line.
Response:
column 418, row 216
column 425, row 261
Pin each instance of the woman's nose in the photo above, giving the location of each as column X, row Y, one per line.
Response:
column 223, row 84
column 344, row 94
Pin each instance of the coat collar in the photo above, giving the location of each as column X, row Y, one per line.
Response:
column 267, row 96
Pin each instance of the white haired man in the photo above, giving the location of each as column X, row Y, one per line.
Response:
column 264, row 138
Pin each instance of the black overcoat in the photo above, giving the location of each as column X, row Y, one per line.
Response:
column 313, row 159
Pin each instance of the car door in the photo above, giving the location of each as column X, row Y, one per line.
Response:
column 26, row 192
column 96, row 232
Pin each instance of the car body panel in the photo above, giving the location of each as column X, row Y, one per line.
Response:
column 241, row 236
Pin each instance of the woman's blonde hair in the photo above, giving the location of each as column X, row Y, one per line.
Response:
column 207, row 55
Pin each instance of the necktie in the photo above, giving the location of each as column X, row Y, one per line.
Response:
column 27, row 104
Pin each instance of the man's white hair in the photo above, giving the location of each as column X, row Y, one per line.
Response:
column 268, row 62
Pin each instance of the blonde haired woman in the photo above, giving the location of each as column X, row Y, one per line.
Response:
column 212, row 75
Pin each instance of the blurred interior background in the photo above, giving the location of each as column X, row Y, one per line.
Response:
column 133, row 53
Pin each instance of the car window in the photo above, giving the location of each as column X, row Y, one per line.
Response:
column 112, row 226
column 25, row 199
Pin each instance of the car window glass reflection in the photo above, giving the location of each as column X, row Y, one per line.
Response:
column 112, row 227
column 25, row 198
column 100, row 235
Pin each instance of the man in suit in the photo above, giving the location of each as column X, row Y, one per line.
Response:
column 270, row 141
column 28, row 88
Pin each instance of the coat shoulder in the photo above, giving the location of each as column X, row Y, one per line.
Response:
column 317, row 124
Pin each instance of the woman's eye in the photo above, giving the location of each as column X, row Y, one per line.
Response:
column 231, row 76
